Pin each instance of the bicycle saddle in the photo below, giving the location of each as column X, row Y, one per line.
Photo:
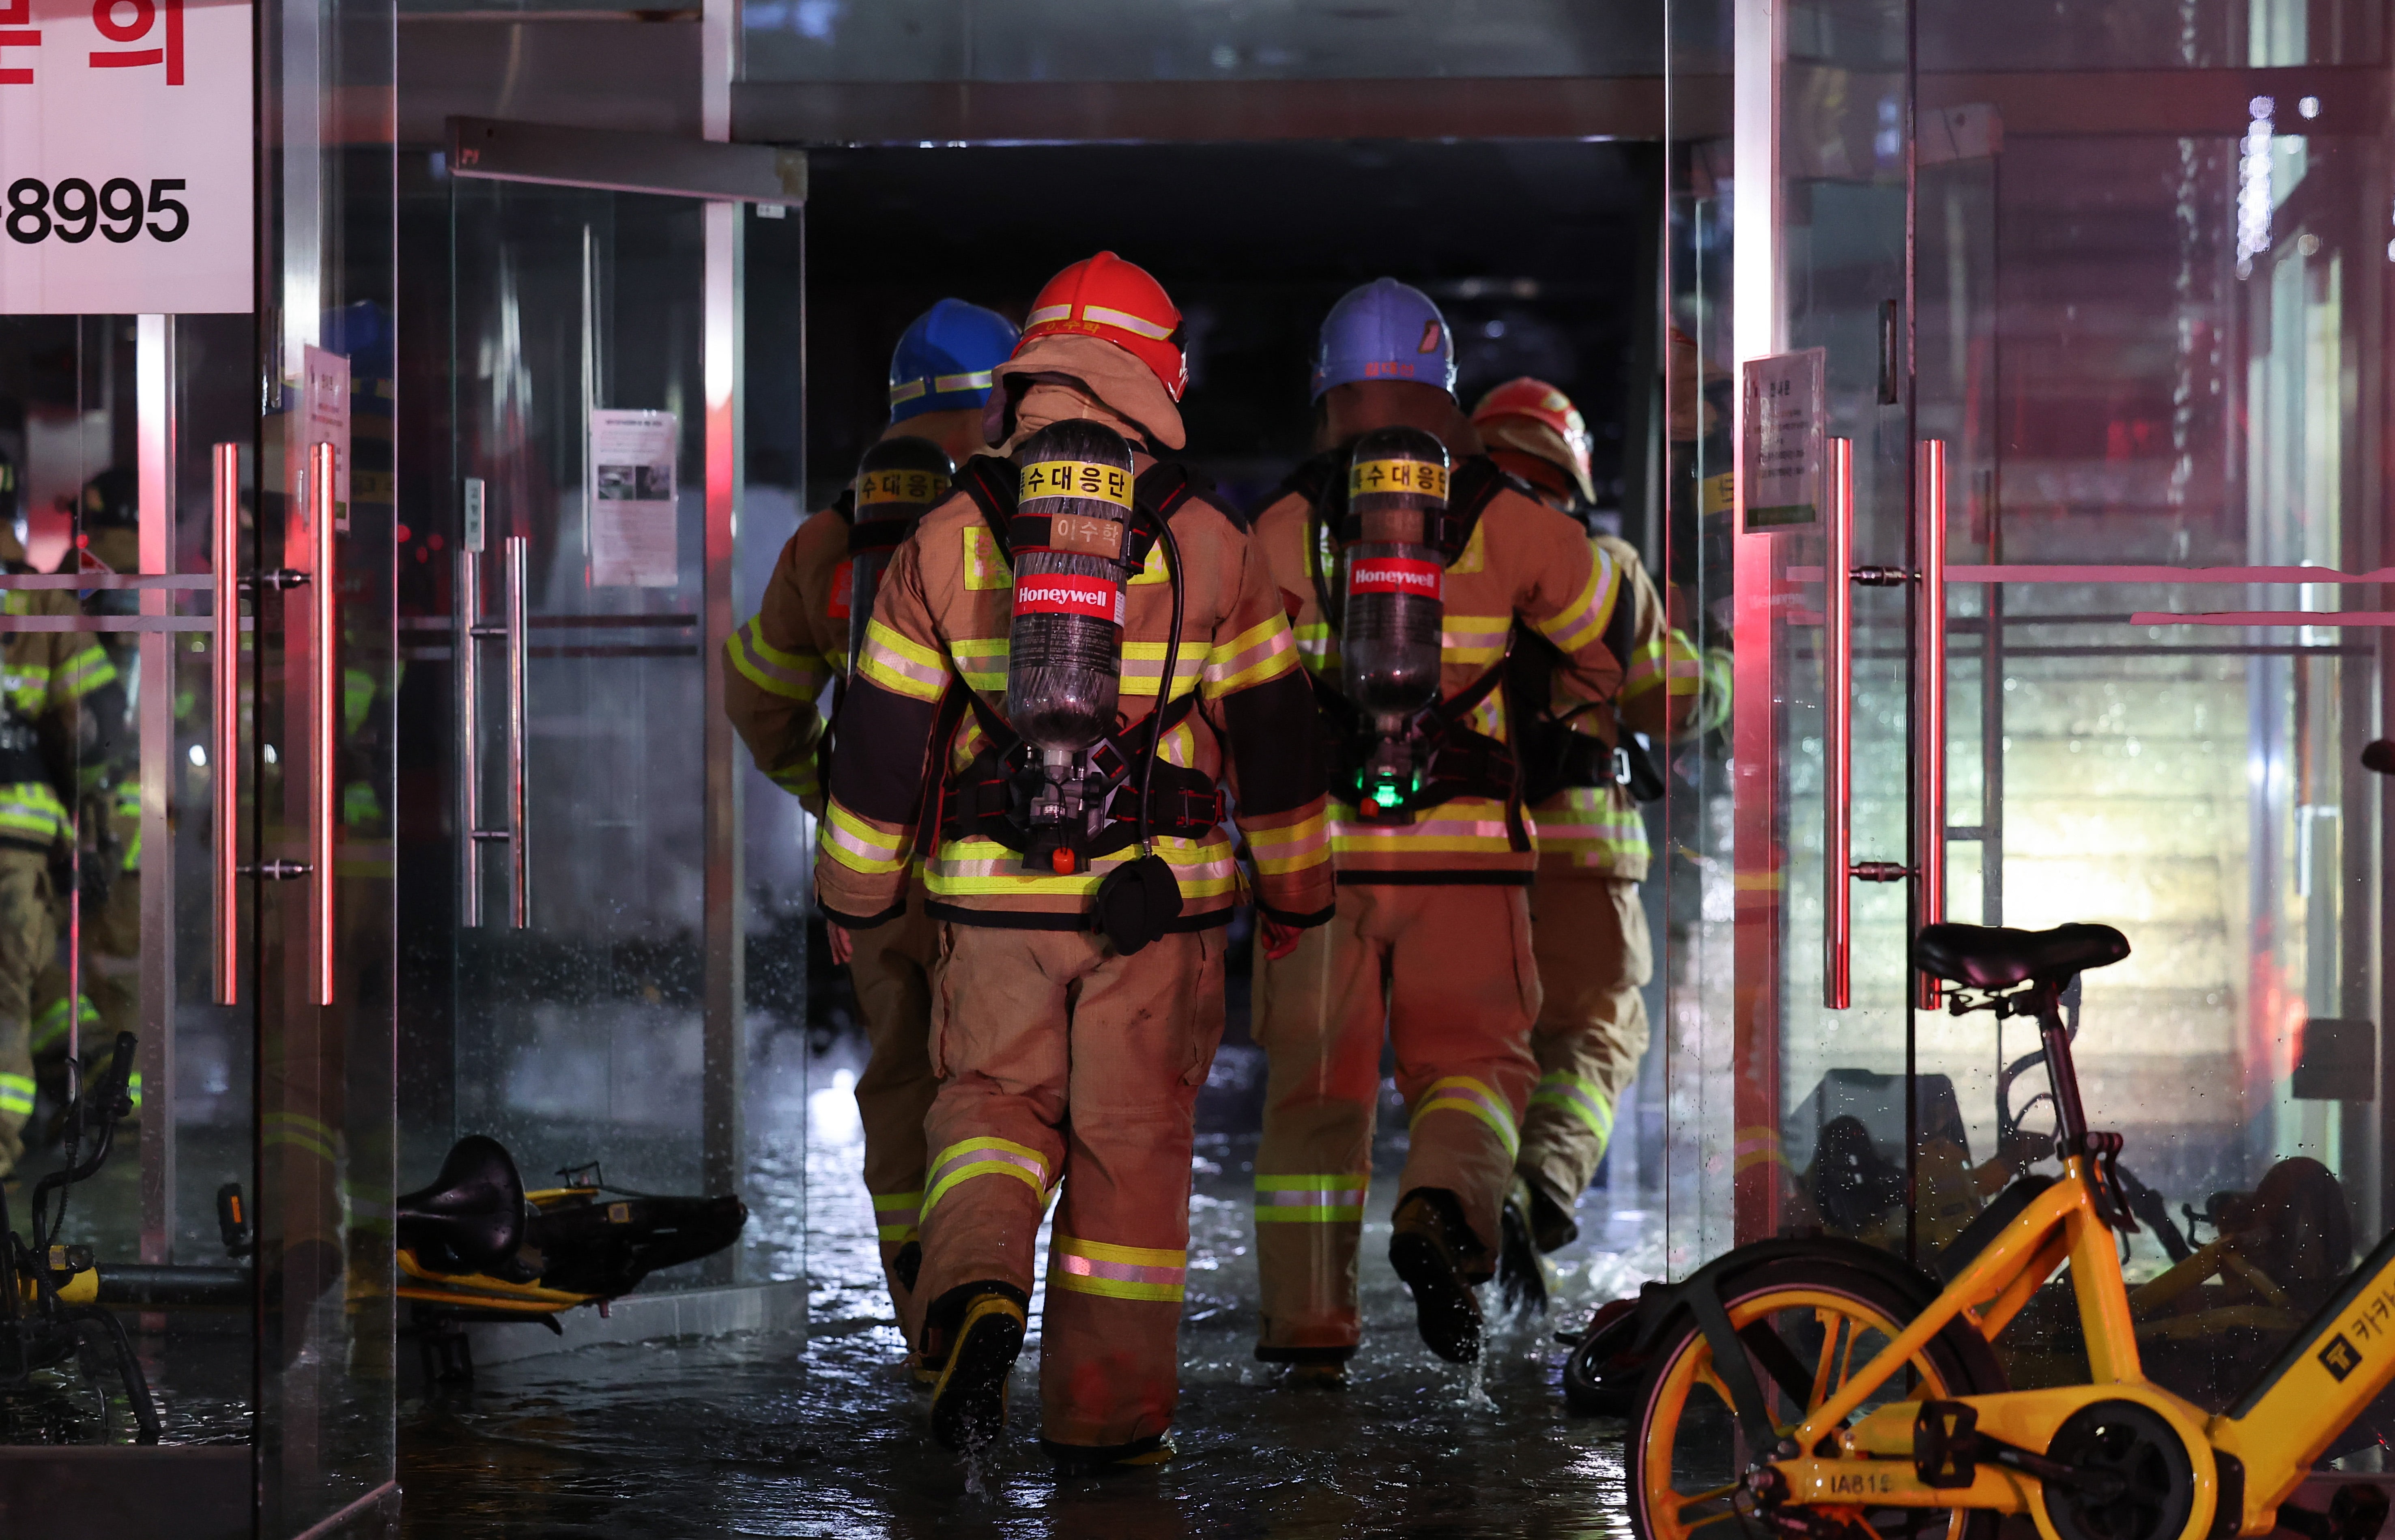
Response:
column 472, row 1215
column 1989, row 957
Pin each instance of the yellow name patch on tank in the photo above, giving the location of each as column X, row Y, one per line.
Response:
column 1076, row 479
column 1421, row 478
column 899, row 486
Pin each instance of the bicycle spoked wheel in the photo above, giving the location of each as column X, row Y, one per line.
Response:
column 1809, row 1325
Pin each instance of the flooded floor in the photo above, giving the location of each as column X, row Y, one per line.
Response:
column 824, row 1437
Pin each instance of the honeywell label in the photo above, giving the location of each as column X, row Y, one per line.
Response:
column 125, row 153
column 1396, row 575
column 1064, row 594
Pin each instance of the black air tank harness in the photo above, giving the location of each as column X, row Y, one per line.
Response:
column 1461, row 761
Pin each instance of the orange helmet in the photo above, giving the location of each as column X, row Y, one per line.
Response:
column 1532, row 417
column 1115, row 301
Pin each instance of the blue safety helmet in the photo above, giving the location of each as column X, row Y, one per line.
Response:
column 1385, row 330
column 944, row 361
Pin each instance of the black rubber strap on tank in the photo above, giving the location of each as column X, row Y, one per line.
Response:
column 989, row 481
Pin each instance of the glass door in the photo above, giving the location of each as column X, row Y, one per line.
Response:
column 585, row 972
column 2087, row 626
column 581, row 736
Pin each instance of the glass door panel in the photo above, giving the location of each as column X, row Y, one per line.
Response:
column 2130, row 373
column 579, row 396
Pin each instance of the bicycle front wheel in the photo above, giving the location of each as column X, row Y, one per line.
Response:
column 1809, row 1324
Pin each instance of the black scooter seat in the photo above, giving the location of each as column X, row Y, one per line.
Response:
column 1991, row 957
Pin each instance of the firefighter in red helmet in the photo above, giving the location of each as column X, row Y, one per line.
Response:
column 1027, row 715
column 1585, row 768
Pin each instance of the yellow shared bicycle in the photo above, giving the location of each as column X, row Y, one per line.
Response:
column 1822, row 1390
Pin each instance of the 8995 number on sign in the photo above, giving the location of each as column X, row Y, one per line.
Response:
column 73, row 210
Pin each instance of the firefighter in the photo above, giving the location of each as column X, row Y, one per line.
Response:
column 1583, row 775
column 50, row 682
column 1011, row 665
column 108, row 819
column 779, row 662
column 1430, row 842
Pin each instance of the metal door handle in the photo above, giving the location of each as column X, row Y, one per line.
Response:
column 326, row 687
column 1838, row 729
column 1929, row 715
column 224, row 669
column 519, row 549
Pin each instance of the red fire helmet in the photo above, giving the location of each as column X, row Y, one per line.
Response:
column 1532, row 405
column 1115, row 301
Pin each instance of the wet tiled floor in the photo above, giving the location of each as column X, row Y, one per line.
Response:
column 825, row 1437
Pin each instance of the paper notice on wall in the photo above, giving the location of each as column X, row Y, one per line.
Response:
column 632, row 532
column 324, row 418
column 1785, row 439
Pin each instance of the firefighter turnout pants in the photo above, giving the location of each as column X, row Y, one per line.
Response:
column 28, row 937
column 1061, row 1061
column 1589, row 934
column 1448, row 970
column 892, row 969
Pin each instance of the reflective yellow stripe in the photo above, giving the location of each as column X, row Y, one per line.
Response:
column 1473, row 640
column 31, row 813
column 50, row 1023
column 15, row 1095
column 985, row 566
column 301, row 1131
column 1319, row 1199
column 984, row 867
column 1143, row 665
column 1583, row 1099
column 1116, row 1272
column 1577, row 623
column 897, row 1214
column 1592, row 824
column 1293, row 848
column 859, row 846
column 793, row 676
column 1256, row 655
column 1465, row 825
column 1462, row 1094
column 901, row 666
column 982, row 661
column 86, row 670
column 984, row 1157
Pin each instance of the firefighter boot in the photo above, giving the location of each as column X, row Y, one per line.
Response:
column 1078, row 1460
column 1525, row 1279
column 1427, row 1250
column 969, row 1398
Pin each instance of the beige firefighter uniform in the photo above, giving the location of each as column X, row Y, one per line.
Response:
column 1061, row 1059
column 1589, row 927
column 1432, row 937
column 779, row 662
column 45, row 674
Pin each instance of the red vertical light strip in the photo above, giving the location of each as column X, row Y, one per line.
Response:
column 1760, row 864
column 224, row 670
column 324, row 478
column 1929, row 722
column 1838, row 735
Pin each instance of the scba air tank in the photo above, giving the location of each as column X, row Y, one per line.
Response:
column 897, row 483
column 1069, row 542
column 1393, row 584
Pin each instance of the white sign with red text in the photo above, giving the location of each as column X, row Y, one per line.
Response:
column 125, row 146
